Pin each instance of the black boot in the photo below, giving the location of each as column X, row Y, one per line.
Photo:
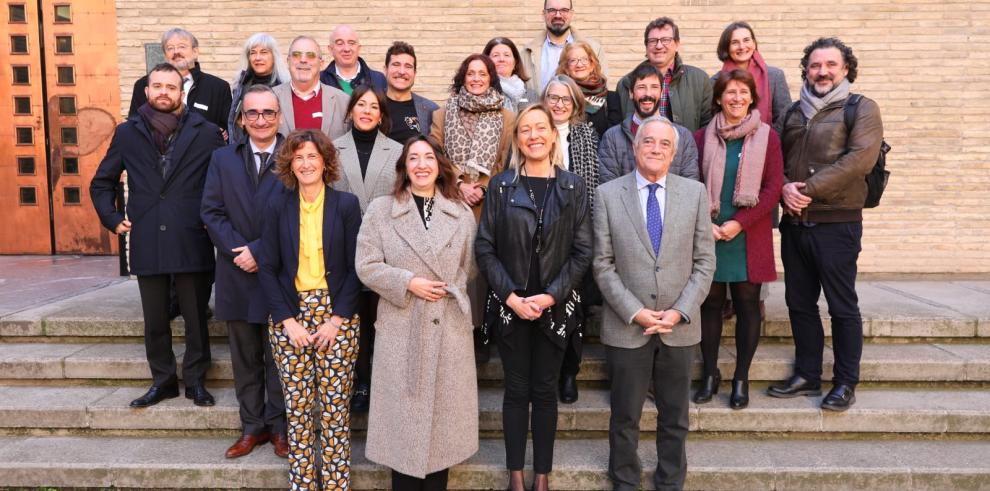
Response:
column 740, row 394
column 709, row 387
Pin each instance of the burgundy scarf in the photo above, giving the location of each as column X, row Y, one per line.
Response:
column 162, row 124
column 758, row 69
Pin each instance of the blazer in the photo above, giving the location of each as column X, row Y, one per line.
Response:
column 424, row 112
column 632, row 277
column 234, row 202
column 532, row 54
column 209, row 96
column 280, row 253
column 617, row 157
column 334, row 110
column 379, row 179
column 167, row 235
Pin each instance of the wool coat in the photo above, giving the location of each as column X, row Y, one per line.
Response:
column 424, row 394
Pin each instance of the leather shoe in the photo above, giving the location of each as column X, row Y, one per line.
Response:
column 739, row 398
column 568, row 389
column 795, row 386
column 199, row 395
column 245, row 444
column 281, row 444
column 362, row 398
column 155, row 395
column 840, row 398
column 709, row 387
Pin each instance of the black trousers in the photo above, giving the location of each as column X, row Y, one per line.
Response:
column 368, row 310
column 630, row 372
column 823, row 258
column 746, row 301
column 193, row 292
column 531, row 364
column 436, row 481
column 256, row 380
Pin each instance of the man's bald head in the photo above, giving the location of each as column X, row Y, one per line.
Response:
column 344, row 46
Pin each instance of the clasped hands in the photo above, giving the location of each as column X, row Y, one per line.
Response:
column 529, row 308
column 657, row 321
column 322, row 339
column 727, row 231
column 794, row 200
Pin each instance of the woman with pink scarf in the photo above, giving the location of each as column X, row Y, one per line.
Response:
column 742, row 168
column 737, row 48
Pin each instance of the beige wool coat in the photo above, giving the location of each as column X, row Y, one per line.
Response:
column 424, row 393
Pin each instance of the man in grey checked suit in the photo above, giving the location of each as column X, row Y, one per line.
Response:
column 654, row 269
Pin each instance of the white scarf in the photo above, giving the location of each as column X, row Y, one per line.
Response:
column 514, row 89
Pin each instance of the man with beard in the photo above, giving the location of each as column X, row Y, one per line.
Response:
column 306, row 102
column 686, row 91
column 348, row 70
column 202, row 92
column 825, row 165
column 165, row 150
column 616, row 157
column 541, row 55
column 410, row 112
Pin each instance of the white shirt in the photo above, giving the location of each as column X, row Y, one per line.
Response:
column 255, row 150
column 644, row 193
column 187, row 83
column 309, row 95
column 336, row 70
column 565, row 146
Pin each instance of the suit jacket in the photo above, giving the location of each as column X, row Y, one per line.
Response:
column 532, row 54
column 424, row 113
column 280, row 253
column 617, row 157
column 234, row 202
column 379, row 179
column 334, row 110
column 209, row 96
column 631, row 276
column 167, row 235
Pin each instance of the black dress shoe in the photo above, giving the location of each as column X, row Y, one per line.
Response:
column 795, row 386
column 739, row 398
column 709, row 387
column 155, row 395
column 840, row 398
column 568, row 389
column 199, row 395
column 362, row 398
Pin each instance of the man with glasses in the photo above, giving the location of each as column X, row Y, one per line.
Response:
column 239, row 184
column 686, row 91
column 540, row 56
column 348, row 70
column 305, row 102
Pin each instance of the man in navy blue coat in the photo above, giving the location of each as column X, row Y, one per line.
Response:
column 239, row 184
column 165, row 150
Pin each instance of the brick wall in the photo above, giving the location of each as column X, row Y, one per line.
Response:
column 924, row 61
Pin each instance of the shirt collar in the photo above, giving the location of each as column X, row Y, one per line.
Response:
column 255, row 149
column 642, row 182
column 570, row 39
column 340, row 76
column 312, row 93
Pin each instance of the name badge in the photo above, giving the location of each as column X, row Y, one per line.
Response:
column 201, row 107
column 318, row 115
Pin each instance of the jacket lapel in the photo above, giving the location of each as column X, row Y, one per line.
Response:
column 377, row 161
column 422, row 114
column 409, row 226
column 348, row 153
column 182, row 141
column 630, row 198
column 327, row 106
column 292, row 208
column 284, row 93
column 329, row 220
column 671, row 213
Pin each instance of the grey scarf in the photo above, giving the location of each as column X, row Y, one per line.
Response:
column 514, row 89
column 811, row 103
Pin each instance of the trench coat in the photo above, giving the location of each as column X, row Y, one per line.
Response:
column 424, row 393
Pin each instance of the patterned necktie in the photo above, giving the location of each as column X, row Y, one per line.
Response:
column 263, row 157
column 654, row 224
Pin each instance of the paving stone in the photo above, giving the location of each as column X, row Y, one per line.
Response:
column 909, row 362
column 48, row 407
column 35, row 360
column 890, row 311
column 975, row 357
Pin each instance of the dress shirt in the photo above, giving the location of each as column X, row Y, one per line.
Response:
column 550, row 58
column 644, row 193
column 187, row 83
column 308, row 95
column 255, row 150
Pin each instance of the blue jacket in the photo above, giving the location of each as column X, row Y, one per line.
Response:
column 365, row 76
column 280, row 253
column 234, row 202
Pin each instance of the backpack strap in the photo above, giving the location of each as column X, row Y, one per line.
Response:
column 849, row 111
column 790, row 110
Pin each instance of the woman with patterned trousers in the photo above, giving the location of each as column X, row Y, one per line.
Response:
column 416, row 250
column 307, row 271
column 534, row 246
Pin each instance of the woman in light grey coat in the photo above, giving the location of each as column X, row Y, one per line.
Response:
column 415, row 249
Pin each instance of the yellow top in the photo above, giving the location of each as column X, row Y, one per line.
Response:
column 311, row 274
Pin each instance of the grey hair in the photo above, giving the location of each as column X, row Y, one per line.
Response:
column 178, row 31
column 265, row 40
column 657, row 119
column 319, row 51
column 580, row 104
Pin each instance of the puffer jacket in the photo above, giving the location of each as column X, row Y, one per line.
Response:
column 830, row 161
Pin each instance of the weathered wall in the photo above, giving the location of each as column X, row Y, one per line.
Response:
column 924, row 61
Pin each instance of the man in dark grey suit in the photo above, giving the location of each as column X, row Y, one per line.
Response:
column 654, row 260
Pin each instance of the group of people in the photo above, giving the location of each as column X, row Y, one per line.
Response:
column 367, row 243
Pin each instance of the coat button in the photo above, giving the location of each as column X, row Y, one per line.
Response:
column 436, row 322
column 571, row 186
column 657, row 269
column 162, row 228
column 653, row 296
column 162, row 196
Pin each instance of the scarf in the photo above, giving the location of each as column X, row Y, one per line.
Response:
column 514, row 89
column 595, row 90
column 472, row 127
column 163, row 125
column 311, row 233
column 758, row 69
column 749, row 176
column 811, row 103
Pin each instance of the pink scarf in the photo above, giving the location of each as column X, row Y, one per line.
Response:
column 749, row 176
column 758, row 69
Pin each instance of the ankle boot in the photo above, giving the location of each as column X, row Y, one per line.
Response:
column 709, row 387
column 740, row 394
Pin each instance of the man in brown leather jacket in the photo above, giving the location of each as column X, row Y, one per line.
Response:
column 825, row 165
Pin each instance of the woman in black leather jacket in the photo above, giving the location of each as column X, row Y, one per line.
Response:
column 533, row 246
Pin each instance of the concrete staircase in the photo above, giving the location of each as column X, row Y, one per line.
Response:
column 922, row 420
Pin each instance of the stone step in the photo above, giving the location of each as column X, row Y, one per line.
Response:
column 881, row 362
column 876, row 411
column 188, row 463
column 891, row 309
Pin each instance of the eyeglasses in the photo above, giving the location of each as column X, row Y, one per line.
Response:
column 309, row 55
column 578, row 61
column 173, row 48
column 652, row 42
column 268, row 114
column 554, row 100
column 556, row 12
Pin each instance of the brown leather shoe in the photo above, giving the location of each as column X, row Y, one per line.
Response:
column 281, row 444
column 245, row 444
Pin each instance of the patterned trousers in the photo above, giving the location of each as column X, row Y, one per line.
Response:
column 305, row 373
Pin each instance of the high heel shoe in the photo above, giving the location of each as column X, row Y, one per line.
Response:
column 739, row 398
column 709, row 387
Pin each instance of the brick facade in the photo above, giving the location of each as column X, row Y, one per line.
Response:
column 922, row 60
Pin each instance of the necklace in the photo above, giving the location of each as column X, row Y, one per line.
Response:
column 427, row 211
column 539, row 209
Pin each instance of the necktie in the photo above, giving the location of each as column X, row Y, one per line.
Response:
column 654, row 224
column 263, row 160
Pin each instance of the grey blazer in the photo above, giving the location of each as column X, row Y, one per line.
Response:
column 379, row 179
column 424, row 113
column 334, row 110
column 628, row 272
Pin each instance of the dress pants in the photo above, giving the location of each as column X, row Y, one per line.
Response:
column 193, row 291
column 436, row 481
column 817, row 258
column 368, row 312
column 630, row 372
column 256, row 380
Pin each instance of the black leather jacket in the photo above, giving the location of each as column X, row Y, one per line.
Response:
column 504, row 244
